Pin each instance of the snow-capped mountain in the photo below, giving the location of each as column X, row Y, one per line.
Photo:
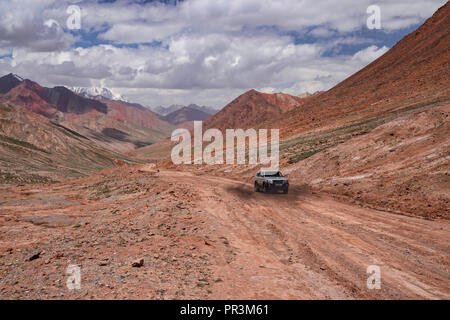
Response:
column 96, row 92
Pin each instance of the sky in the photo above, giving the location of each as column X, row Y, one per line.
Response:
column 206, row 52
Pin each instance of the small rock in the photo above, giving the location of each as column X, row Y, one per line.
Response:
column 138, row 263
column 34, row 256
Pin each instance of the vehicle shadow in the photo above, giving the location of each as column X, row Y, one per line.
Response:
column 247, row 192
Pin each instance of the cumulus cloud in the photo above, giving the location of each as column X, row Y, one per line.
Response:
column 23, row 24
column 156, row 21
column 369, row 54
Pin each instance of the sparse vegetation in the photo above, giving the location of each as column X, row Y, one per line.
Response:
column 21, row 143
column 11, row 178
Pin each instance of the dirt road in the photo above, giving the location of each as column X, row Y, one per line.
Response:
column 210, row 237
column 301, row 246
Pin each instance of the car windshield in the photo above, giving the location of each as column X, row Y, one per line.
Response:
column 272, row 174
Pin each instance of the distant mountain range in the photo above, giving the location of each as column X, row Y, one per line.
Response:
column 164, row 111
column 175, row 114
column 185, row 117
column 56, row 122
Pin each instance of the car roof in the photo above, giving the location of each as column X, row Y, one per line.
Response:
column 269, row 171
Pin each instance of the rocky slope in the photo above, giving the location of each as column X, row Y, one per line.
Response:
column 413, row 73
column 381, row 137
column 116, row 125
column 401, row 166
column 252, row 108
column 123, row 128
column 48, row 101
column 34, row 149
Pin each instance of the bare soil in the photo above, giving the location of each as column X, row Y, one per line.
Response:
column 209, row 237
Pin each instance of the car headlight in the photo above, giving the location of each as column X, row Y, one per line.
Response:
column 270, row 181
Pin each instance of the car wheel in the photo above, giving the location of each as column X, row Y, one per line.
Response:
column 266, row 188
column 285, row 190
column 256, row 189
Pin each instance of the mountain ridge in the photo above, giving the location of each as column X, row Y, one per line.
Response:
column 253, row 107
column 164, row 111
column 185, row 117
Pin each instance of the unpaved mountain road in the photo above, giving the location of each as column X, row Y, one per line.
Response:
column 209, row 237
column 300, row 246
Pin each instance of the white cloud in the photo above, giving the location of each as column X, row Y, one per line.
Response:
column 365, row 56
column 156, row 22
column 225, row 64
column 24, row 24
column 141, row 32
